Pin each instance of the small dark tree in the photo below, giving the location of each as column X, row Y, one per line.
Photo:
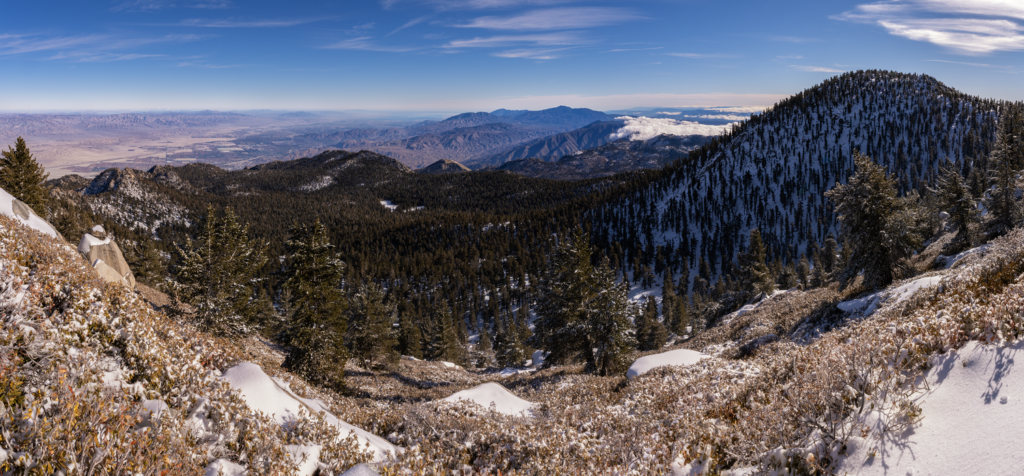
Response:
column 508, row 348
column 754, row 271
column 410, row 337
column 803, row 271
column 650, row 333
column 954, row 197
column 1005, row 164
column 880, row 229
column 216, row 275
column 371, row 327
column 315, row 331
column 23, row 177
column 580, row 308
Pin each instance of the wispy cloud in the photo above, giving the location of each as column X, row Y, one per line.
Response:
column 793, row 39
column 86, row 57
column 365, row 43
column 547, row 39
column 699, row 55
column 816, row 69
column 410, row 23
column 152, row 5
column 963, row 32
column 790, row 57
column 232, row 23
column 17, row 44
column 534, row 54
column 619, row 50
column 555, row 19
column 978, row 65
column 478, row 4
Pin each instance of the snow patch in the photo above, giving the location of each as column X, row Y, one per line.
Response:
column 972, row 414
column 306, row 457
column 865, row 306
column 644, row 128
column 264, row 394
column 679, row 357
column 223, row 467
column 18, row 210
column 949, row 261
column 492, row 393
column 387, row 204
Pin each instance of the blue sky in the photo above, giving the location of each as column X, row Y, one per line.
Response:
column 462, row 55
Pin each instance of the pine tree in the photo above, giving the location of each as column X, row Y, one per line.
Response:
column 668, row 300
column 508, row 348
column 828, row 256
column 754, row 271
column 880, row 229
column 1005, row 164
column 410, row 338
column 315, row 330
column 803, row 271
column 580, row 308
column 23, row 177
column 485, row 344
column 443, row 341
column 371, row 328
column 954, row 197
column 650, row 333
column 216, row 274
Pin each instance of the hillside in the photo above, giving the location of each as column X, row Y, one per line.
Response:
column 771, row 172
column 793, row 384
column 556, row 146
column 623, row 155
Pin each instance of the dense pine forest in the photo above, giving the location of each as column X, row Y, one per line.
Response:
column 475, row 244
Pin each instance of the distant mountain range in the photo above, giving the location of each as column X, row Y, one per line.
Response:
column 472, row 137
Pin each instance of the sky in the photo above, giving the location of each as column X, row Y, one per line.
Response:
column 468, row 55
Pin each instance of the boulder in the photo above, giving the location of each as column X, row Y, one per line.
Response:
column 104, row 255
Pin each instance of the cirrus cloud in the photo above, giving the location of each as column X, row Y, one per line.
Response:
column 555, row 19
column 967, row 27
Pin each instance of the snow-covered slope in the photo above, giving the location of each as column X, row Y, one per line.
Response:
column 771, row 172
column 679, row 357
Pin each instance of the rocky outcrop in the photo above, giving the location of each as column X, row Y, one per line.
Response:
column 105, row 257
column 18, row 210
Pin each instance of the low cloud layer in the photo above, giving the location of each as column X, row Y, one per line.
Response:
column 643, row 128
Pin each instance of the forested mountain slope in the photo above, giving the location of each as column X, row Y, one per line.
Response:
column 771, row 172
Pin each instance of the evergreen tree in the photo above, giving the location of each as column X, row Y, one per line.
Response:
column 829, row 254
column 315, row 330
column 485, row 344
column 508, row 348
column 216, row 274
column 754, row 271
column 650, row 333
column 668, row 300
column 954, row 197
column 880, row 229
column 1005, row 164
column 443, row 342
column 803, row 271
column 23, row 177
column 580, row 308
column 410, row 338
column 371, row 327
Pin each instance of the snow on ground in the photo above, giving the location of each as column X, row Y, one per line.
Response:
column 266, row 395
column 949, row 261
column 485, row 394
column 306, row 458
column 973, row 420
column 680, row 357
column 865, row 306
column 223, row 467
column 387, row 204
column 21, row 212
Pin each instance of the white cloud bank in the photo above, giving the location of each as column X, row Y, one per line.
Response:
column 643, row 128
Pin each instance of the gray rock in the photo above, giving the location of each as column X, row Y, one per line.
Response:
column 103, row 254
column 361, row 469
